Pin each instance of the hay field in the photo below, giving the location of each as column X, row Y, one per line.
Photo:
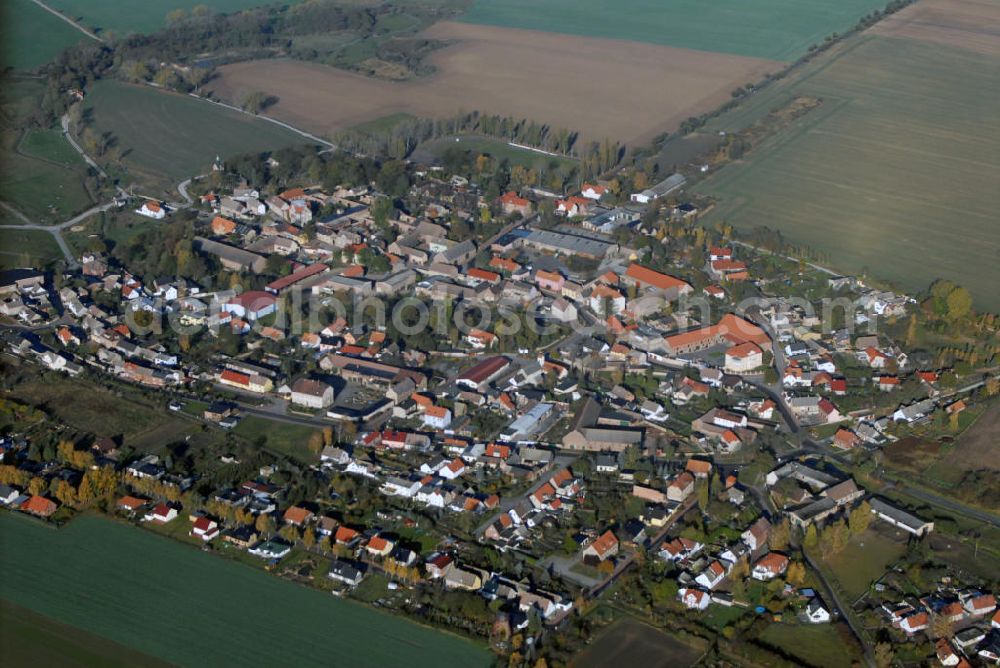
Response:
column 894, row 174
column 775, row 29
column 601, row 88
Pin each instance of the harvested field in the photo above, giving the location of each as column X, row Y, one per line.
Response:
column 979, row 447
column 601, row 88
column 969, row 24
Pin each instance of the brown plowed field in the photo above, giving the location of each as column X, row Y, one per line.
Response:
column 602, row 88
column 968, row 24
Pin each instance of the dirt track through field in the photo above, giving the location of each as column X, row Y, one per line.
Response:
column 967, row 24
column 601, row 88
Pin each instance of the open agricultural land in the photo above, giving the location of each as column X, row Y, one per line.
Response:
column 31, row 36
column 30, row 639
column 894, row 174
column 232, row 615
column 769, row 29
column 168, row 136
column 602, row 88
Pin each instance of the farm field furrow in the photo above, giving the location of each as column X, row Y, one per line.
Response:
column 894, row 174
column 175, row 603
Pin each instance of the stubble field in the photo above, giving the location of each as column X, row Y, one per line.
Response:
column 896, row 172
column 602, row 88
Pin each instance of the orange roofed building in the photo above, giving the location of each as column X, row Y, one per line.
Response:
column 731, row 329
column 643, row 277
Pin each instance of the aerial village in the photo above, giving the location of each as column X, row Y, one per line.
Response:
column 623, row 425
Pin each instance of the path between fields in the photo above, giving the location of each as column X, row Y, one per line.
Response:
column 67, row 20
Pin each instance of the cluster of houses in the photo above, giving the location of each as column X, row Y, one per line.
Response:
column 964, row 623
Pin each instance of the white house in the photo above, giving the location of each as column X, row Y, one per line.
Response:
column 152, row 209
column 816, row 613
column 744, row 358
column 594, row 192
column 769, row 567
column 694, row 599
column 437, row 417
column 205, row 528
column 711, row 577
column 311, row 393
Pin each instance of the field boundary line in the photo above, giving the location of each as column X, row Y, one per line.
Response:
column 67, row 20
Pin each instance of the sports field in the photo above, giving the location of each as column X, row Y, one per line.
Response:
column 172, row 602
column 31, row 36
column 895, row 174
column 172, row 136
column 770, row 29
column 602, row 88
column 126, row 16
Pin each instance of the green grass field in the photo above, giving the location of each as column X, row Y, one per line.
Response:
column 171, row 136
column 288, row 439
column 864, row 560
column 31, row 36
column 127, row 16
column 815, row 645
column 26, row 248
column 40, row 176
column 178, row 604
column 49, row 145
column 30, row 639
column 894, row 174
column 772, row 29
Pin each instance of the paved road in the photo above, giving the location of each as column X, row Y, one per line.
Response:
column 69, row 137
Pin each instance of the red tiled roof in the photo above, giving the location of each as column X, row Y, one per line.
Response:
column 660, row 281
